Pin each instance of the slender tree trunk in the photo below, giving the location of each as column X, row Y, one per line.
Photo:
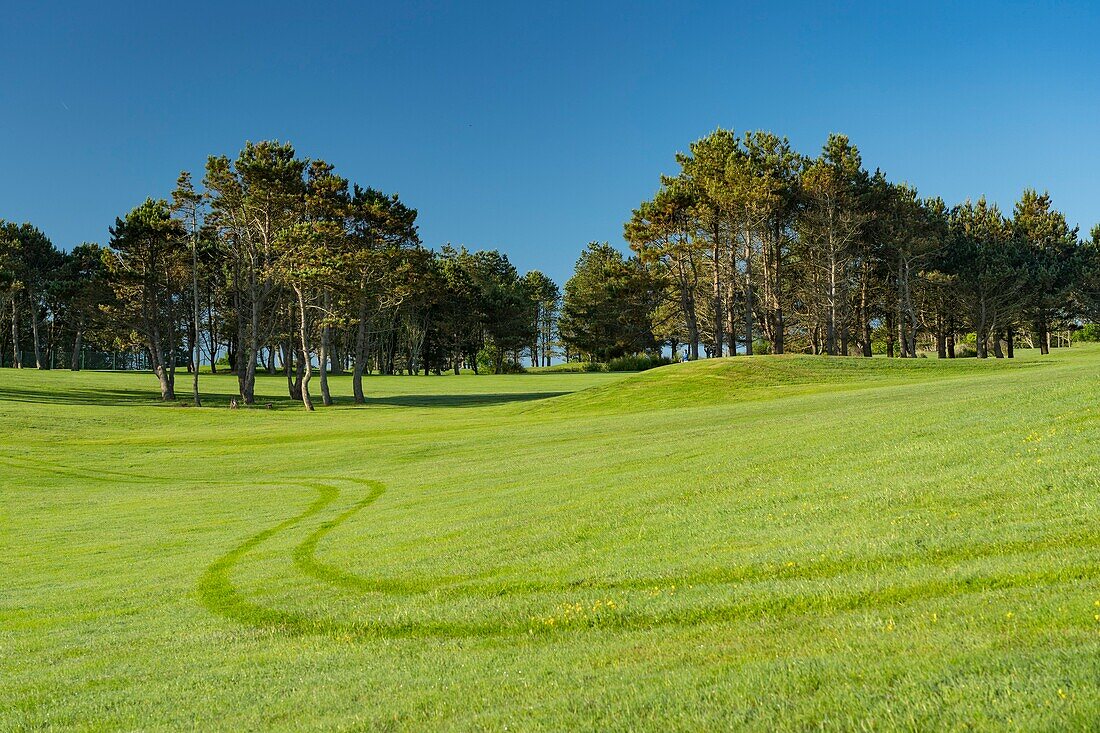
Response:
column 903, row 340
column 864, row 317
column 730, row 314
column 775, row 289
column 303, row 334
column 889, row 334
column 830, row 326
column 248, row 385
column 157, row 362
column 1010, row 337
column 38, row 364
column 748, row 293
column 197, row 353
column 299, row 373
column 360, row 349
column 323, row 356
column 716, row 294
column 246, row 377
column 212, row 332
column 78, row 343
column 17, row 355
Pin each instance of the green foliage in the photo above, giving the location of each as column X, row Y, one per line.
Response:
column 569, row 367
column 1089, row 332
column 491, row 359
column 637, row 363
column 607, row 305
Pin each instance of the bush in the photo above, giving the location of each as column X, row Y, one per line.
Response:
column 569, row 367
column 636, row 363
column 488, row 358
column 1089, row 332
column 760, row 346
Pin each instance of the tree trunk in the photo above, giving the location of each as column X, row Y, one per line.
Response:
column 830, row 326
column 773, row 286
column 1010, row 336
column 212, row 332
column 864, row 317
column 323, row 355
column 17, row 355
column 889, row 335
column 360, row 349
column 716, row 294
column 34, row 332
column 78, row 342
column 748, row 293
column 167, row 390
column 298, row 373
column 246, row 377
column 303, row 335
column 197, row 353
column 157, row 362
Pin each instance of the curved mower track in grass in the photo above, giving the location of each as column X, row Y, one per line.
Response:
column 218, row 594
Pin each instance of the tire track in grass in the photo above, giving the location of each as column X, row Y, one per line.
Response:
column 304, row 555
column 305, row 559
column 218, row 594
column 221, row 597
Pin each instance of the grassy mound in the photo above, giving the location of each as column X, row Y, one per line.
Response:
column 736, row 379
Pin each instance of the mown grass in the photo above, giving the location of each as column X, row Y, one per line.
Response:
column 768, row 543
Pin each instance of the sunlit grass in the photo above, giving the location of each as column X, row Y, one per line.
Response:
column 769, row 542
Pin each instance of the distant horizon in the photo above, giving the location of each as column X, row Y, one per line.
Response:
column 535, row 133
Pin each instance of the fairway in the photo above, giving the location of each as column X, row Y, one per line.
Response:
column 769, row 542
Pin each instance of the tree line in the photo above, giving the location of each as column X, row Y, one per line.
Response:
column 753, row 246
column 277, row 264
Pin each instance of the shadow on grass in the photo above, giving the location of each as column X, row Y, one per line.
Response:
column 135, row 397
column 101, row 397
column 459, row 400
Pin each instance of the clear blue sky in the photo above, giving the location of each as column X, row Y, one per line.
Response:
column 535, row 128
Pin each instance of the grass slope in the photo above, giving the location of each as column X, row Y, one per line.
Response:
column 775, row 542
column 719, row 381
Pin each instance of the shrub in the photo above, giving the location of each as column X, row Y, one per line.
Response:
column 1089, row 332
column 491, row 356
column 569, row 367
column 636, row 363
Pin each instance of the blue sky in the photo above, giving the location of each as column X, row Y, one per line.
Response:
column 535, row 128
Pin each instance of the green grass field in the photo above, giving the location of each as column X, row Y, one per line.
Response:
column 767, row 543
